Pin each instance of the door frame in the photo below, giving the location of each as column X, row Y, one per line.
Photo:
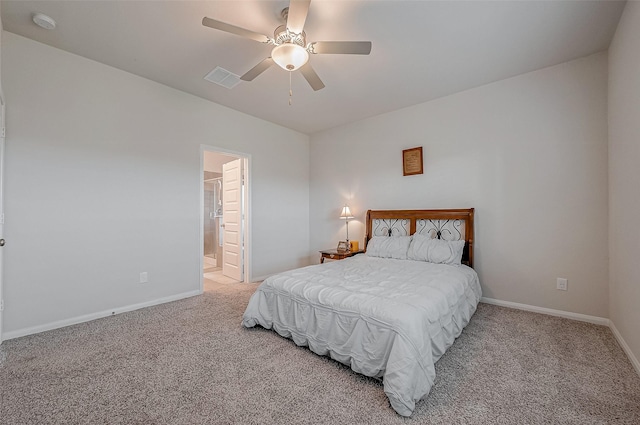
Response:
column 2, row 145
column 246, row 209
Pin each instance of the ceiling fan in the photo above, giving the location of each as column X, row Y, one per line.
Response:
column 291, row 51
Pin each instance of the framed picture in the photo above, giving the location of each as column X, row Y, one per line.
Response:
column 343, row 246
column 412, row 161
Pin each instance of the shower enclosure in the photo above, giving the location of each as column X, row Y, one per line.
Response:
column 213, row 216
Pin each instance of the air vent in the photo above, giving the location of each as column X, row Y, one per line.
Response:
column 223, row 77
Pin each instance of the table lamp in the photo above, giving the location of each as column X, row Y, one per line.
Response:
column 346, row 215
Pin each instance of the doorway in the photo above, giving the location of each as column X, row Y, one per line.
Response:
column 224, row 217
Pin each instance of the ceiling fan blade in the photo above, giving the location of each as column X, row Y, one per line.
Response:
column 312, row 78
column 257, row 70
column 223, row 26
column 298, row 10
column 341, row 47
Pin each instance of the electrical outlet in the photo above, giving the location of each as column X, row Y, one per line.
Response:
column 144, row 277
column 562, row 284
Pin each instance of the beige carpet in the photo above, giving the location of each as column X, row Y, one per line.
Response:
column 190, row 362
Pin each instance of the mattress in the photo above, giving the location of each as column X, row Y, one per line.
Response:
column 385, row 318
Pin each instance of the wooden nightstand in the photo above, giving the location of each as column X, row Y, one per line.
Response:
column 333, row 254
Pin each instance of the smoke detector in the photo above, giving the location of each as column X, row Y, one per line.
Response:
column 44, row 21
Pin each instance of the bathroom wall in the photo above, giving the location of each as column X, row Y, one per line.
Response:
column 212, row 194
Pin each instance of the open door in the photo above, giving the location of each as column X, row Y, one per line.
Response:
column 232, row 255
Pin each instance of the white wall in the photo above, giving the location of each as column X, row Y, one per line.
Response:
column 624, row 177
column 102, row 183
column 529, row 153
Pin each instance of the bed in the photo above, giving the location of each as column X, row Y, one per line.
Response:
column 389, row 313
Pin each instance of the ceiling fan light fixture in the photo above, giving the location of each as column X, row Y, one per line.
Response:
column 289, row 56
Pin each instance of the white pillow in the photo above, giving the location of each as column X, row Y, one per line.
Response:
column 389, row 247
column 438, row 251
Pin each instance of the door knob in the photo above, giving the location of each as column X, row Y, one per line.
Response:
column 1, row 242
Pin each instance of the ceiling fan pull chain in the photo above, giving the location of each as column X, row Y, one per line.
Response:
column 290, row 90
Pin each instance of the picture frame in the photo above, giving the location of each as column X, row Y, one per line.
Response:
column 343, row 246
column 412, row 161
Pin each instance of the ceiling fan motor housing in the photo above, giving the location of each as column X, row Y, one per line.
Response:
column 282, row 35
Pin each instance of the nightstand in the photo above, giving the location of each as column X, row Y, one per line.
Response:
column 334, row 254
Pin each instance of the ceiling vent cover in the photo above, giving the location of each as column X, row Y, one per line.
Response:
column 223, row 77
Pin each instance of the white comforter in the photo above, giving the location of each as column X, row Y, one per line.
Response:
column 383, row 317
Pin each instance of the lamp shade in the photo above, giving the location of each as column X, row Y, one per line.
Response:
column 346, row 213
column 289, row 56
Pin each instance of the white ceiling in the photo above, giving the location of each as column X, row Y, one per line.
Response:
column 422, row 50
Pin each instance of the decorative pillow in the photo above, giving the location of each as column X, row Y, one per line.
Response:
column 389, row 247
column 439, row 251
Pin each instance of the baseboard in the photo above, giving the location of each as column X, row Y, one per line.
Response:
column 574, row 316
column 625, row 347
column 93, row 316
column 559, row 313
column 255, row 279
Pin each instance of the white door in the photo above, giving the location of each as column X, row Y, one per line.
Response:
column 232, row 256
column 2, row 134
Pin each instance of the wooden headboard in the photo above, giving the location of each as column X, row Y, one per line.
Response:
column 453, row 224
